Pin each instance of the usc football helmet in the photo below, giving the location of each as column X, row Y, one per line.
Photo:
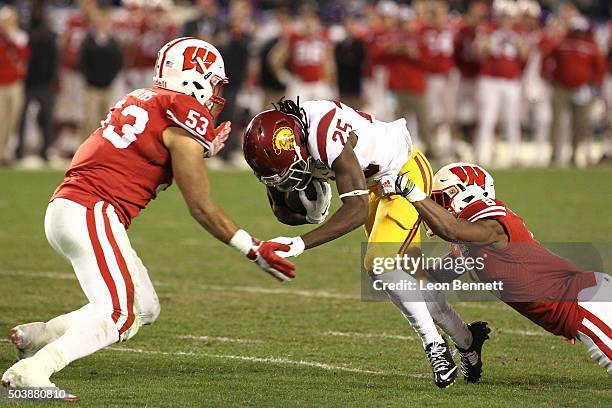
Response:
column 457, row 185
column 274, row 146
column 192, row 67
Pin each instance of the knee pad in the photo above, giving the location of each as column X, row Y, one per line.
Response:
column 149, row 309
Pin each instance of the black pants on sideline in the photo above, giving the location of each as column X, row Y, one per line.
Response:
column 45, row 96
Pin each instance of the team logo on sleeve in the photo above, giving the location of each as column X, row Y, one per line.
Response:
column 283, row 139
column 470, row 175
column 199, row 58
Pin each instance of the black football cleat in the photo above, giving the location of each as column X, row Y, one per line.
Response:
column 442, row 363
column 471, row 359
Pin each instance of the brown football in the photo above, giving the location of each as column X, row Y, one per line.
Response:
column 292, row 199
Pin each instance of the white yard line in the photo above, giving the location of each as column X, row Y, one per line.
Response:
column 369, row 335
column 315, row 294
column 320, row 294
column 263, row 360
column 272, row 360
column 221, row 339
column 523, row 332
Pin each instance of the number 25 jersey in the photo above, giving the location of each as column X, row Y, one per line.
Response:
column 125, row 162
column 382, row 147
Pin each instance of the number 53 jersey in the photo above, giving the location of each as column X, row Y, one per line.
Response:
column 125, row 162
column 382, row 148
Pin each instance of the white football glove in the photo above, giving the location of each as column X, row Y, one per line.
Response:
column 318, row 209
column 264, row 255
column 404, row 186
column 296, row 246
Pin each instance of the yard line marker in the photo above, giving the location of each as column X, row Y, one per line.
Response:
column 271, row 360
column 523, row 332
column 315, row 294
column 321, row 294
column 369, row 335
column 220, row 339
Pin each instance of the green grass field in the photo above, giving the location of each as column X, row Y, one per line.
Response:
column 229, row 335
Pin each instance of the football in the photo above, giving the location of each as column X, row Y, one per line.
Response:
column 292, row 199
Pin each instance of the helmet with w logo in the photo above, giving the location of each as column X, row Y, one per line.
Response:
column 193, row 67
column 457, row 185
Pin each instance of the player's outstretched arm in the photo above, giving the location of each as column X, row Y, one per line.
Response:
column 445, row 225
column 351, row 185
column 354, row 210
column 192, row 179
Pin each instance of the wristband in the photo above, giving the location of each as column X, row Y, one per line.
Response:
column 298, row 246
column 416, row 194
column 311, row 220
column 242, row 241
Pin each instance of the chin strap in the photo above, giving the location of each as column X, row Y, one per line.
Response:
column 354, row 193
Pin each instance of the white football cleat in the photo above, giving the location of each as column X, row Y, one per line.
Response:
column 28, row 373
column 24, row 339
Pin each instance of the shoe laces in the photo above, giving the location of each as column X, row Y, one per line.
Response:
column 436, row 357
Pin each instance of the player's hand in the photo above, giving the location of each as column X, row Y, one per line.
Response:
column 265, row 256
column 406, row 187
column 294, row 246
column 318, row 209
column 222, row 132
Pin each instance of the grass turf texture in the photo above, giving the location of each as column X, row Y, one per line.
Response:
column 288, row 354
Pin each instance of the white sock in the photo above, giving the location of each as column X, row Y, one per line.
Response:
column 83, row 338
column 447, row 318
column 412, row 305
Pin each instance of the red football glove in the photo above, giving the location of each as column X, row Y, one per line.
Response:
column 222, row 132
column 262, row 253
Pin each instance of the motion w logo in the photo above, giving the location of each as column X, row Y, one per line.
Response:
column 470, row 175
column 199, row 58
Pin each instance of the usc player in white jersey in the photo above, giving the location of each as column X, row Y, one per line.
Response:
column 292, row 146
column 149, row 138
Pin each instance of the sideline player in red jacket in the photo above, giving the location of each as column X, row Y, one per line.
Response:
column 150, row 137
column 547, row 289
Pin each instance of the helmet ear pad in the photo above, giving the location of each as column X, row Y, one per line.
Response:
column 191, row 82
column 466, row 196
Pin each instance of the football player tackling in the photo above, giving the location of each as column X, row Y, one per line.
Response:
column 149, row 138
column 547, row 289
column 293, row 147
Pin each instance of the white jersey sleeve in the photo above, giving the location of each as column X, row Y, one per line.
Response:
column 328, row 132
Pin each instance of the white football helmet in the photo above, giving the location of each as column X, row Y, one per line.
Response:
column 193, row 67
column 457, row 185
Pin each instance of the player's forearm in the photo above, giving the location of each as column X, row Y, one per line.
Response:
column 440, row 221
column 347, row 218
column 215, row 221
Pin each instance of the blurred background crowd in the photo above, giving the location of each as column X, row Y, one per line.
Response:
column 501, row 82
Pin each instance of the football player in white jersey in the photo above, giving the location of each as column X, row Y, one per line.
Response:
column 293, row 146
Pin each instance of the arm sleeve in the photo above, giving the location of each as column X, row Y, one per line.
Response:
column 185, row 112
column 482, row 209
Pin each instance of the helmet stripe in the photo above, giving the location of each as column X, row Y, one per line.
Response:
column 170, row 45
